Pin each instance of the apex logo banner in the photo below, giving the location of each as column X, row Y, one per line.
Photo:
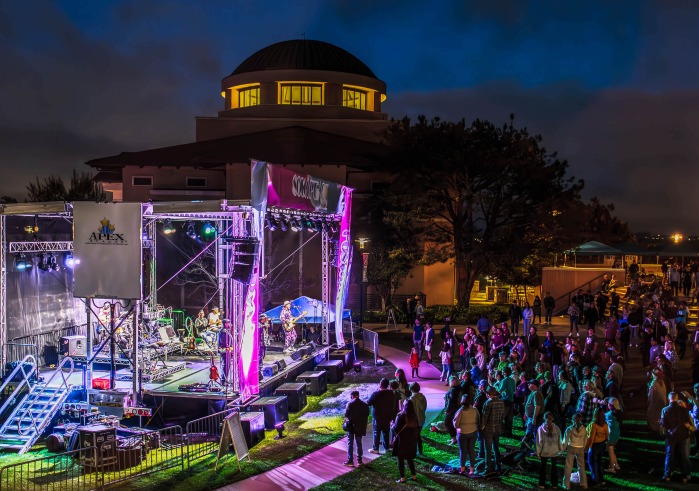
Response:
column 107, row 234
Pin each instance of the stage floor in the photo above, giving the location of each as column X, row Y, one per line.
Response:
column 196, row 370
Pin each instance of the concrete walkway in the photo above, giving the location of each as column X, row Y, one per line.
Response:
column 326, row 464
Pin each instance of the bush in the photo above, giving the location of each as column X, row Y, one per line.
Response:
column 437, row 313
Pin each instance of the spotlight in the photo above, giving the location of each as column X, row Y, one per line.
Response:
column 42, row 262
column 333, row 228
column 52, row 263
column 280, row 430
column 168, row 228
column 22, row 263
column 310, row 225
column 69, row 261
column 272, row 224
column 296, row 225
column 284, row 224
column 190, row 231
column 209, row 229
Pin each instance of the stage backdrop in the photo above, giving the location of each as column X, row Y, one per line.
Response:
column 107, row 241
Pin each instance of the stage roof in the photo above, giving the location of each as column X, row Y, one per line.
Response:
column 594, row 248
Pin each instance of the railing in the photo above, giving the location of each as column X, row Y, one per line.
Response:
column 568, row 295
column 203, row 435
column 370, row 342
column 57, row 394
column 61, row 472
column 26, row 376
column 19, row 347
column 97, row 468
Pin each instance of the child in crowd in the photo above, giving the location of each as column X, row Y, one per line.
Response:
column 445, row 354
column 414, row 362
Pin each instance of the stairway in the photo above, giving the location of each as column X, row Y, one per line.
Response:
column 37, row 408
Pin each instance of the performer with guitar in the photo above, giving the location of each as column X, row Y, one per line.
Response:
column 264, row 324
column 288, row 322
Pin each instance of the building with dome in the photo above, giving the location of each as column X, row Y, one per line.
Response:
column 307, row 105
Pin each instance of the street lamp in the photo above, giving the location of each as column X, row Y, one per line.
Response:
column 363, row 241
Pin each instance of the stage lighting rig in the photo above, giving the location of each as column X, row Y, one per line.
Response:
column 168, row 228
column 42, row 262
column 209, row 229
column 69, row 261
column 191, row 233
column 296, row 225
column 22, row 263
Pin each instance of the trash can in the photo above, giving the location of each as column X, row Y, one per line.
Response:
column 501, row 296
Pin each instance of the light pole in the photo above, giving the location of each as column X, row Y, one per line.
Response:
column 363, row 241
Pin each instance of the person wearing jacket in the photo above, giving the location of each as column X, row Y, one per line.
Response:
column 405, row 443
column 548, row 446
column 420, row 405
column 574, row 441
column 384, row 408
column 597, row 442
column 466, row 422
column 357, row 415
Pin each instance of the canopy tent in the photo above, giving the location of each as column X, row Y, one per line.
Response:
column 313, row 308
column 594, row 248
column 631, row 249
column 681, row 249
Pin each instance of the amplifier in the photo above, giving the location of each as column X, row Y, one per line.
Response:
column 74, row 346
column 83, row 407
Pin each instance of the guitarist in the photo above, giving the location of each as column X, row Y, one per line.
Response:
column 288, row 321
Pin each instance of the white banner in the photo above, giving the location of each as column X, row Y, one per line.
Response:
column 107, row 242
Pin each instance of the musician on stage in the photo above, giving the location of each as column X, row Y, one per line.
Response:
column 264, row 324
column 225, row 345
column 200, row 323
column 215, row 318
column 287, row 320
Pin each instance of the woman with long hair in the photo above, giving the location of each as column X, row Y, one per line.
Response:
column 613, row 417
column 598, row 434
column 405, row 440
column 466, row 422
column 403, row 388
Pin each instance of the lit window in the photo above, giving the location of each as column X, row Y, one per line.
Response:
column 249, row 96
column 355, row 99
column 142, row 181
column 196, row 182
column 301, row 94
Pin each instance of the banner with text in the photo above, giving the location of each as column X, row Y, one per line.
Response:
column 107, row 242
column 289, row 189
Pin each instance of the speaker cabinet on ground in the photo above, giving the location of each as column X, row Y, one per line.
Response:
column 295, row 394
column 276, row 410
column 253, row 427
column 334, row 368
column 316, row 382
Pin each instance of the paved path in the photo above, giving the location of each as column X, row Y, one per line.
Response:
column 326, row 464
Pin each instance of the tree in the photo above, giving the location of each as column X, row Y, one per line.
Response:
column 481, row 194
column 52, row 188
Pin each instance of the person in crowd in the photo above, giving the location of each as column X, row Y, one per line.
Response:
column 405, row 440
column 532, row 348
column 536, row 309
column 467, row 422
column 506, row 386
column 466, row 383
column 403, row 390
column 548, row 446
column 596, row 443
column 200, row 323
column 215, row 321
column 484, row 326
column 521, row 395
column 445, row 355
column 492, row 424
column 418, row 336
column 384, row 408
column 515, row 313
column 451, row 405
column 624, row 339
column 587, row 402
column 479, row 403
column 552, row 397
column 414, row 361
column 534, row 410
column 613, row 418
column 694, row 401
column 476, row 372
column 549, row 305
column 565, row 390
column 419, row 402
column 574, row 315
column 678, row 425
column 429, row 339
column 527, row 316
column 657, row 395
column 463, row 354
column 357, row 418
column 419, row 310
column 574, row 441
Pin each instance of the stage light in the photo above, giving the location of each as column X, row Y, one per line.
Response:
column 52, row 263
column 190, row 230
column 43, row 262
column 69, row 261
column 209, row 229
column 22, row 263
column 272, row 224
column 280, row 430
column 296, row 225
column 333, row 228
column 310, row 225
column 284, row 224
column 34, row 228
column 168, row 228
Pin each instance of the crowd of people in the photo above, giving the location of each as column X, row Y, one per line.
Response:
column 567, row 392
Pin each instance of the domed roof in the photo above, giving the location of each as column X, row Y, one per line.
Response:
column 301, row 54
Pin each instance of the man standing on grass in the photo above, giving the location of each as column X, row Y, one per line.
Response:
column 357, row 415
column 419, row 402
column 384, row 408
column 677, row 424
column 492, row 423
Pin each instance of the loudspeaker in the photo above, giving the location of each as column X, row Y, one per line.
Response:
column 281, row 364
column 296, row 355
column 314, row 346
column 270, row 370
column 74, row 345
column 244, row 254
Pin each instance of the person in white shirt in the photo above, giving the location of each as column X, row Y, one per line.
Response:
column 574, row 440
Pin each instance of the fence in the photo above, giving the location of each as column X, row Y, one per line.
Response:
column 203, row 435
column 97, row 468
column 370, row 342
column 44, row 345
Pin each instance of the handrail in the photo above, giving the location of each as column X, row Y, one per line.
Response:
column 575, row 290
column 64, row 384
column 11, row 377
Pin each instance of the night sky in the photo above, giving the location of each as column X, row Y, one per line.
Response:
column 612, row 86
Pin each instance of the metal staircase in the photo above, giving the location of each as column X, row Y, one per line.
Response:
column 37, row 408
